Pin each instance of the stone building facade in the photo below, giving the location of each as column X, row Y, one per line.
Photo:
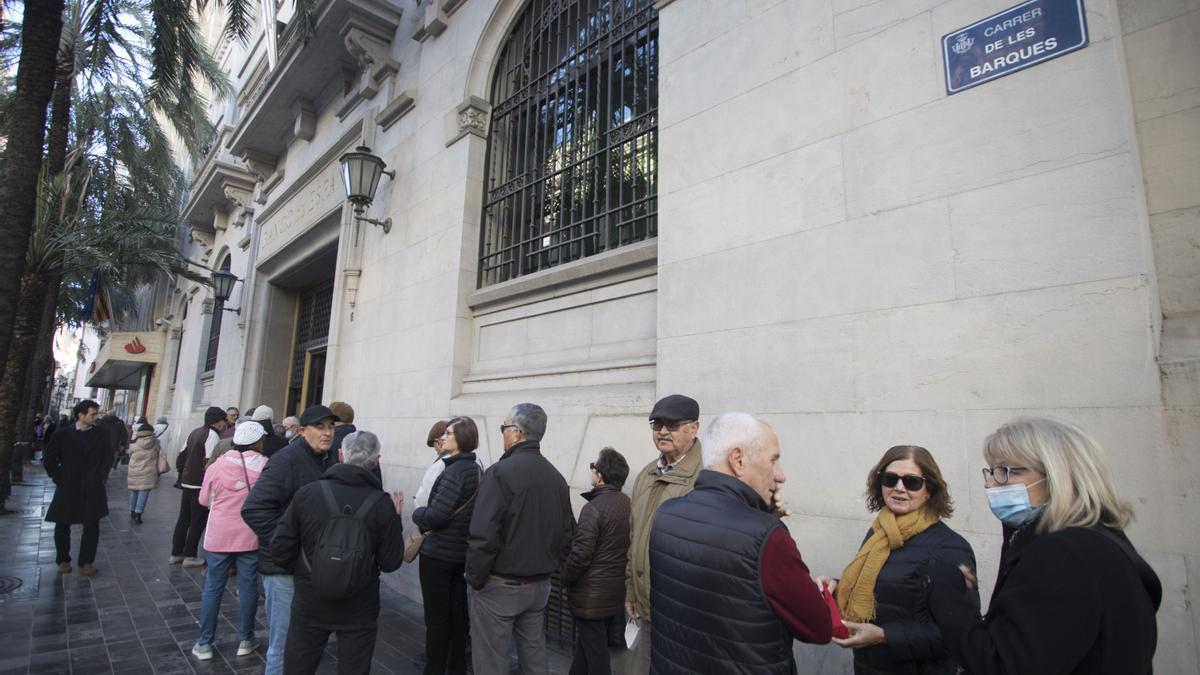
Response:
column 770, row 205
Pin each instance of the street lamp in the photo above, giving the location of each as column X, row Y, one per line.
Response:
column 223, row 282
column 360, row 176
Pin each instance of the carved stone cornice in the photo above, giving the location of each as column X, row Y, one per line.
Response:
column 305, row 70
column 210, row 192
column 372, row 53
column 435, row 19
column 399, row 107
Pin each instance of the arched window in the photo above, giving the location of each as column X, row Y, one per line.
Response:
column 572, row 156
column 214, row 331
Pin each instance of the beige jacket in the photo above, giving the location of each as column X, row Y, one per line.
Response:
column 650, row 490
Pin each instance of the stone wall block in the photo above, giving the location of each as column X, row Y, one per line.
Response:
column 1171, row 160
column 1159, row 88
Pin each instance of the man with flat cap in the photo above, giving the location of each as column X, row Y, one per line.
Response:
column 300, row 463
column 674, row 423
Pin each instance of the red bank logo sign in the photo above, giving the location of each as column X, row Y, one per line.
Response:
column 135, row 346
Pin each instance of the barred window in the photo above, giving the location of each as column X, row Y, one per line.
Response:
column 572, row 156
column 214, row 331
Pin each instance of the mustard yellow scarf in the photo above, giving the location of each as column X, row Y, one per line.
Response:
column 856, row 589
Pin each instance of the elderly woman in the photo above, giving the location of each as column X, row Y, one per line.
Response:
column 884, row 593
column 1072, row 595
column 445, row 522
column 229, row 541
column 595, row 574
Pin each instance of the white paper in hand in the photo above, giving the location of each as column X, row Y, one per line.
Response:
column 631, row 632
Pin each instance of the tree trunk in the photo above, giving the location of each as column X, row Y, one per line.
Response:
column 25, row 329
column 33, row 398
column 41, row 31
column 60, row 111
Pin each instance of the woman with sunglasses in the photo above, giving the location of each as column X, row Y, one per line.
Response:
column 1072, row 595
column 884, row 592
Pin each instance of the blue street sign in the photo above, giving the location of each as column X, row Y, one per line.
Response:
column 1015, row 39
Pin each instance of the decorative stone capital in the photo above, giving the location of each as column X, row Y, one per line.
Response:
column 305, row 125
column 206, row 307
column 260, row 164
column 176, row 333
column 473, row 116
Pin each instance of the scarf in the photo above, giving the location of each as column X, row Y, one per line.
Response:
column 856, row 589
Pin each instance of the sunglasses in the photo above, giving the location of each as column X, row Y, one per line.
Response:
column 658, row 425
column 911, row 483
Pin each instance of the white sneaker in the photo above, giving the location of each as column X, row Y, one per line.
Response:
column 246, row 647
column 202, row 652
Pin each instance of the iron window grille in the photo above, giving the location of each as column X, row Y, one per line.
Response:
column 214, row 331
column 572, row 166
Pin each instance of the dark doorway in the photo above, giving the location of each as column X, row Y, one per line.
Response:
column 306, row 381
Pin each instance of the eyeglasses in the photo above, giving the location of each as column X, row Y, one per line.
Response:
column 592, row 466
column 506, row 427
column 657, row 425
column 911, row 483
column 1002, row 473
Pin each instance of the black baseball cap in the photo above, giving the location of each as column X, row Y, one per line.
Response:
column 675, row 408
column 315, row 413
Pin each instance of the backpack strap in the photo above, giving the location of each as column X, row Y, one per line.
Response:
column 330, row 501
column 365, row 507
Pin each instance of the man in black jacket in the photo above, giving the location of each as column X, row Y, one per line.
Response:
column 77, row 460
column 353, row 617
column 520, row 533
column 300, row 463
column 190, row 464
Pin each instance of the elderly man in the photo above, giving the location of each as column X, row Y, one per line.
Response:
column 291, row 427
column 673, row 427
column 193, row 517
column 302, row 462
column 520, row 533
column 725, row 537
column 345, row 602
column 77, row 460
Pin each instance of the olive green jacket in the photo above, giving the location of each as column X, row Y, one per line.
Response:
column 650, row 490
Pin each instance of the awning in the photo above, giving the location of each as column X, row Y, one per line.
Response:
column 124, row 358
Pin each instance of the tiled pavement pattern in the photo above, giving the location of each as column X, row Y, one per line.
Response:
column 138, row 614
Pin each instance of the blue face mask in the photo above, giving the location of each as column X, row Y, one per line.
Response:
column 1010, row 503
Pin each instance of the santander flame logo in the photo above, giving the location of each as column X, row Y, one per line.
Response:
column 135, row 346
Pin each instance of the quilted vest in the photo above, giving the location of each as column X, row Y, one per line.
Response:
column 709, row 613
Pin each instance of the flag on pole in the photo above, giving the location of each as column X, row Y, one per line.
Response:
column 97, row 310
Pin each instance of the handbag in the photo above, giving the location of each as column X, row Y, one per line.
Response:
column 412, row 545
column 163, row 465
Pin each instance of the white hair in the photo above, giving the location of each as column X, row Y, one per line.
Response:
column 360, row 448
column 729, row 431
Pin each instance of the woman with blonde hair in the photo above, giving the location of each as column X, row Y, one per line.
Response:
column 1072, row 596
column 884, row 592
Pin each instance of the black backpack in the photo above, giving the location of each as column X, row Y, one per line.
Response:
column 343, row 563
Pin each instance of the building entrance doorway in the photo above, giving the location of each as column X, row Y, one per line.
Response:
column 306, row 381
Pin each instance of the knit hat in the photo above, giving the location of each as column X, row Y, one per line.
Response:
column 263, row 412
column 213, row 415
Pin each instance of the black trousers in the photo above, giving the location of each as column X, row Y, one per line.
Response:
column 87, row 543
column 591, row 648
column 190, row 525
column 306, row 641
column 444, row 591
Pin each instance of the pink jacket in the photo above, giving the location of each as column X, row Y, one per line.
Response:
column 224, row 490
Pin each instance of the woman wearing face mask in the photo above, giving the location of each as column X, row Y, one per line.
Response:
column 884, row 592
column 1072, row 595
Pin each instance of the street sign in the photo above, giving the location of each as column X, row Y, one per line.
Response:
column 1015, row 39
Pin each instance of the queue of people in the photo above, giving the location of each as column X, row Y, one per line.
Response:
column 694, row 571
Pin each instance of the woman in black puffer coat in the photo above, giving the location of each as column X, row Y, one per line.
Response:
column 446, row 522
column 595, row 574
column 884, row 593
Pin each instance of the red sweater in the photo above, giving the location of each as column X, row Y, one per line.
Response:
column 791, row 592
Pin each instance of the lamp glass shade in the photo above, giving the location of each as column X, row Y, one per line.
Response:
column 223, row 284
column 360, row 176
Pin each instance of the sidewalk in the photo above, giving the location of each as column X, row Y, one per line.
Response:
column 138, row 614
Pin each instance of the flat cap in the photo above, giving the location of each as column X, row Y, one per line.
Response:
column 315, row 413
column 675, row 408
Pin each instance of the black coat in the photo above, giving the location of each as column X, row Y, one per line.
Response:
column 522, row 522
column 286, row 472
column 595, row 574
column 1070, row 602
column 453, row 488
column 272, row 442
column 78, row 462
column 914, row 642
column 301, row 525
